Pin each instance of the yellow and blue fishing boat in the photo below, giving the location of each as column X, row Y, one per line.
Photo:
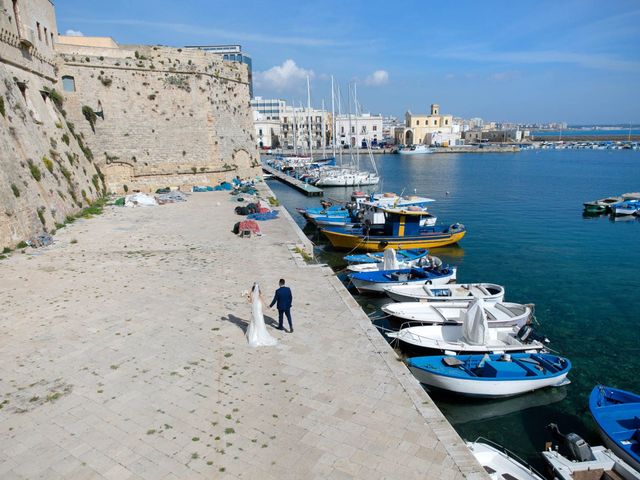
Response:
column 401, row 229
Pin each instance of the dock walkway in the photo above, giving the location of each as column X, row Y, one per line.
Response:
column 308, row 190
column 123, row 356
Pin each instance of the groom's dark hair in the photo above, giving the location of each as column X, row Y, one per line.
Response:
column 281, row 282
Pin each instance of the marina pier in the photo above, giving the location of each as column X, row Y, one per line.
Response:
column 308, row 190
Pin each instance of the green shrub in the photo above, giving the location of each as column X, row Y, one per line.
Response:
column 65, row 138
column 22, row 244
column 48, row 163
column 16, row 190
column 96, row 182
column 41, row 216
column 90, row 115
column 35, row 171
column 2, row 106
column 125, row 188
column 6, row 250
column 106, row 81
column 56, row 98
column 66, row 173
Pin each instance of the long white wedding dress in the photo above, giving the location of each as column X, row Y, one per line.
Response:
column 257, row 334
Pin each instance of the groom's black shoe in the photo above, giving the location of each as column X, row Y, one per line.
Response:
column 279, row 328
column 291, row 330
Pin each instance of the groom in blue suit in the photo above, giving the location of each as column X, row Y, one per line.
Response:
column 283, row 298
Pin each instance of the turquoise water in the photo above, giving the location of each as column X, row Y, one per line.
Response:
column 523, row 212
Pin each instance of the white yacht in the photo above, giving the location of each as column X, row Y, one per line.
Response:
column 415, row 150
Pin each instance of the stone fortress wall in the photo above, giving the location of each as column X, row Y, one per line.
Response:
column 166, row 117
column 44, row 174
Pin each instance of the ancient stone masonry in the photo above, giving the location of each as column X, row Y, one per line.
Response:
column 159, row 116
column 45, row 174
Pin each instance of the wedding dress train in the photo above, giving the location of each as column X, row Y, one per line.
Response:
column 257, row 334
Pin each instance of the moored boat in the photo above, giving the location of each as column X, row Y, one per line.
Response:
column 375, row 281
column 617, row 415
column 415, row 150
column 584, row 461
column 401, row 230
column 499, row 463
column 503, row 314
column 489, row 292
column 628, row 207
column 491, row 376
column 403, row 261
column 602, row 205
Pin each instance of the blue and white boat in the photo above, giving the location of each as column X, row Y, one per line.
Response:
column 368, row 262
column 628, row 207
column 617, row 414
column 489, row 376
column 376, row 281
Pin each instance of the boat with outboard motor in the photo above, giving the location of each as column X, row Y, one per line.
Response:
column 401, row 229
column 617, row 415
column 584, row 462
column 501, row 464
column 491, row 376
column 472, row 336
column 601, row 206
column 456, row 292
column 375, row 281
column 502, row 314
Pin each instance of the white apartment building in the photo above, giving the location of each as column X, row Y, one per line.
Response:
column 358, row 131
column 267, row 131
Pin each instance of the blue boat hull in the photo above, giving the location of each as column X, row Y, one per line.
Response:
column 617, row 415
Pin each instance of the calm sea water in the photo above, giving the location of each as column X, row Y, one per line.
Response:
column 585, row 132
column 526, row 231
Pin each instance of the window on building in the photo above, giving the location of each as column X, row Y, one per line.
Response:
column 342, row 130
column 435, row 122
column 353, row 129
column 446, row 122
column 417, row 122
column 39, row 31
column 68, row 83
column 375, row 128
column 260, row 131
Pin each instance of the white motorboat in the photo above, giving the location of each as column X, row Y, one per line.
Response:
column 415, row 150
column 489, row 292
column 585, row 462
column 501, row 464
column 473, row 336
column 502, row 314
column 347, row 178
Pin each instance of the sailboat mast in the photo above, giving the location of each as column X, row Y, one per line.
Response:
column 350, row 128
column 355, row 104
column 309, row 123
column 295, row 128
column 339, row 114
column 324, row 134
column 333, row 121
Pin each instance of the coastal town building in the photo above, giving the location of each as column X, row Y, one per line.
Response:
column 268, row 131
column 269, row 108
column 429, row 129
column 359, row 130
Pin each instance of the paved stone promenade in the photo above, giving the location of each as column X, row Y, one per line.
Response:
column 122, row 355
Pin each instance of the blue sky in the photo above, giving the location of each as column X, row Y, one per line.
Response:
column 573, row 61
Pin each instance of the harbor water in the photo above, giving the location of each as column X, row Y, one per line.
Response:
column 526, row 231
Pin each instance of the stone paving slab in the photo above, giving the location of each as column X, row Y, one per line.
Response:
column 123, row 356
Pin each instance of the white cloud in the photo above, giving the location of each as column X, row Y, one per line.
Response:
column 283, row 77
column 377, row 78
column 74, row 33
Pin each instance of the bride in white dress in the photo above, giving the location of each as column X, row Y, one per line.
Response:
column 257, row 334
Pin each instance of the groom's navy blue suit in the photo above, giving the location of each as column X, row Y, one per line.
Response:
column 284, row 299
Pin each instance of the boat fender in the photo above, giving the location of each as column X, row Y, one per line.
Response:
column 429, row 282
column 524, row 333
column 383, row 244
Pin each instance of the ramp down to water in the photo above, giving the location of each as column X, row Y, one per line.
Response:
column 308, row 190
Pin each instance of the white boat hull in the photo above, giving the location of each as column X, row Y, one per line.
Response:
column 485, row 388
column 502, row 465
column 449, row 340
column 372, row 267
column 423, row 293
column 364, row 286
column 437, row 313
column 620, row 211
column 348, row 180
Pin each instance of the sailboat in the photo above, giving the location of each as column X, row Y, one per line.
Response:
column 351, row 175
